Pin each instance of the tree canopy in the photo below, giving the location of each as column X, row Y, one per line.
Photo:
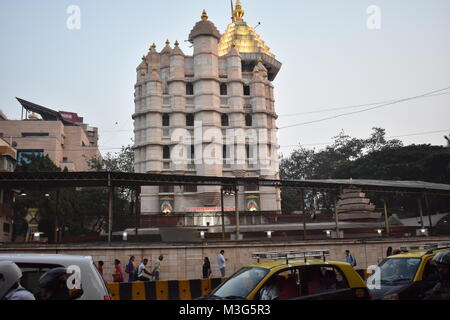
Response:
column 373, row 158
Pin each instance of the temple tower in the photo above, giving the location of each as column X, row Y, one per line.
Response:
column 209, row 114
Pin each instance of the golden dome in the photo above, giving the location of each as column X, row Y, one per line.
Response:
column 242, row 35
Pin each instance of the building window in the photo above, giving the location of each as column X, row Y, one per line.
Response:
column 166, row 120
column 189, row 89
column 224, row 153
column 251, row 188
column 246, row 90
column 6, row 228
column 223, row 89
column 247, row 151
column 26, row 155
column 225, row 120
column 34, row 134
column 166, row 152
column 190, row 188
column 189, row 120
column 248, row 120
column 192, row 151
column 166, row 189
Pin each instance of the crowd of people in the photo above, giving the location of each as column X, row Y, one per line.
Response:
column 134, row 272
column 147, row 271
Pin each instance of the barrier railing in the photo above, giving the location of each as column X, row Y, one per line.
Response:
column 163, row 290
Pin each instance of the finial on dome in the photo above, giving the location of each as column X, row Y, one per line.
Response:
column 143, row 73
column 153, row 46
column 177, row 43
column 167, row 42
column 144, row 58
column 154, row 69
column 204, row 15
column 238, row 13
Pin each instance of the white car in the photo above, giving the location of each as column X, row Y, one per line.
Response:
column 33, row 266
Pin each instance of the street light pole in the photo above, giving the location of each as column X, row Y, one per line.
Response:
column 110, row 208
column 302, row 203
column 56, row 217
column 427, row 205
column 137, row 209
column 386, row 220
column 336, row 218
column 236, row 203
column 223, row 213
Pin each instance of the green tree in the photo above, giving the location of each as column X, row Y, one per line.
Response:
column 321, row 164
column 410, row 163
column 122, row 161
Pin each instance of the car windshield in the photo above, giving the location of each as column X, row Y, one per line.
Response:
column 398, row 270
column 241, row 284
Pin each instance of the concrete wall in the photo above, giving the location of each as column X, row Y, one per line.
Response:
column 185, row 262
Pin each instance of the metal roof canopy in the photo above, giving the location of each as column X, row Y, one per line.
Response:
column 46, row 113
column 40, row 180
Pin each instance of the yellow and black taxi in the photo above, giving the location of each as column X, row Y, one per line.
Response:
column 407, row 275
column 293, row 275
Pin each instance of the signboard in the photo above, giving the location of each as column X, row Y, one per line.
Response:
column 252, row 203
column 210, row 209
column 71, row 117
column 32, row 219
column 167, row 205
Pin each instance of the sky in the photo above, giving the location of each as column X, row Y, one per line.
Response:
column 335, row 54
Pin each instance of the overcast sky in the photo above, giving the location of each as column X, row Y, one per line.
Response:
column 330, row 59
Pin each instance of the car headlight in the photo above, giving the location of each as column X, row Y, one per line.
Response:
column 393, row 296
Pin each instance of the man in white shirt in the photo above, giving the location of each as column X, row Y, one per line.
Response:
column 143, row 274
column 221, row 263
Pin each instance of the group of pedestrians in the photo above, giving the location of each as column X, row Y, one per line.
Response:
column 145, row 271
column 221, row 264
column 141, row 272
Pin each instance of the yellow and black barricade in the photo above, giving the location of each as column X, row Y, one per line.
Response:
column 163, row 290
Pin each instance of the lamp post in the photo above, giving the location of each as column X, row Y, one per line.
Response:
column 222, row 213
column 236, row 203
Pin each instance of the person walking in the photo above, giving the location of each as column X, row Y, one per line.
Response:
column 143, row 274
column 156, row 268
column 130, row 269
column 206, row 268
column 389, row 252
column 442, row 290
column 10, row 288
column 349, row 258
column 118, row 274
column 100, row 267
column 221, row 263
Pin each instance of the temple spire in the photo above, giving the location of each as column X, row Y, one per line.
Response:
column 238, row 13
column 233, row 20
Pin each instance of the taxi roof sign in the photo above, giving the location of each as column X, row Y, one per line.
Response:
column 427, row 246
column 417, row 248
column 295, row 254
